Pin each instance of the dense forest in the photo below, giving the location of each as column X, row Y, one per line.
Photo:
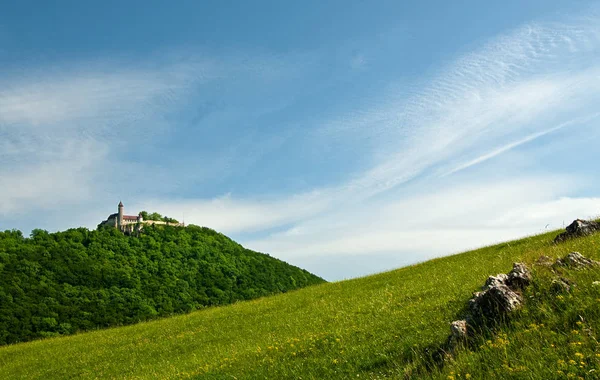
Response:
column 60, row 283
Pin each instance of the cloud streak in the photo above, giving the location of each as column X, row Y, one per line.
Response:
column 515, row 144
column 510, row 90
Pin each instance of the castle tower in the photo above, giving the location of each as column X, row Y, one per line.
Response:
column 120, row 222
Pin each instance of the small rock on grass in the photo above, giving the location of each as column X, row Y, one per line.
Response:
column 459, row 330
column 544, row 261
column 576, row 260
column 561, row 285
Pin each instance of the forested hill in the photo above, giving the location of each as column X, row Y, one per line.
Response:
column 64, row 282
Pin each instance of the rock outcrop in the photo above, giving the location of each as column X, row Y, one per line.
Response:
column 576, row 260
column 578, row 228
column 519, row 277
column 500, row 296
column 458, row 330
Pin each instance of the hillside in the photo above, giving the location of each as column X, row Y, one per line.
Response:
column 382, row 326
column 61, row 283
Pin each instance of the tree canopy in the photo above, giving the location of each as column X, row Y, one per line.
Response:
column 157, row 217
column 60, row 283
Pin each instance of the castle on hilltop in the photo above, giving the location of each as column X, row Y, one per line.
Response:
column 130, row 223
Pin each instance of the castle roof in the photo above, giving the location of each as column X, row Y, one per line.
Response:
column 129, row 217
column 120, row 204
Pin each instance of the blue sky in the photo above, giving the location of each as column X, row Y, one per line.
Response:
column 347, row 138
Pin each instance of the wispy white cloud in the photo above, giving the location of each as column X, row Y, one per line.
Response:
column 514, row 86
column 63, row 128
column 94, row 93
column 235, row 215
column 486, row 104
column 57, row 130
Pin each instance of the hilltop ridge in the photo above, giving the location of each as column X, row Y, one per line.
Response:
column 61, row 283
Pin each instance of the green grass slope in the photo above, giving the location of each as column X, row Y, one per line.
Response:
column 382, row 326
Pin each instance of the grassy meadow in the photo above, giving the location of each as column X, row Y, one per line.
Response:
column 381, row 326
